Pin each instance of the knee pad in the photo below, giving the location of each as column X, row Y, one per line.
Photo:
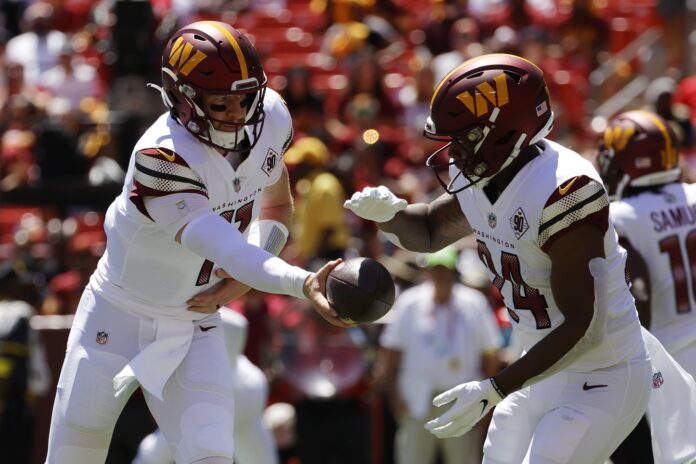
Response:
column 559, row 434
column 86, row 391
column 207, row 431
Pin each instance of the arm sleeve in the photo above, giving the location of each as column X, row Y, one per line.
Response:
column 213, row 238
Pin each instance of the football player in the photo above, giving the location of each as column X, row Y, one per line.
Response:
column 206, row 191
column 540, row 216
column 654, row 214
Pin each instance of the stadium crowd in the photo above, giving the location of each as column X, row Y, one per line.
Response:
column 357, row 76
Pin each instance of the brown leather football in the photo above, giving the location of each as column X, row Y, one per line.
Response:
column 361, row 290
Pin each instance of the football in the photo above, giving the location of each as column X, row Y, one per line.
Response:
column 361, row 290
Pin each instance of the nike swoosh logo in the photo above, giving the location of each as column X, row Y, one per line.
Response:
column 205, row 329
column 166, row 155
column 564, row 190
column 590, row 387
column 484, row 403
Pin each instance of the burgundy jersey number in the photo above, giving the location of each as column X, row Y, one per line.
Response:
column 681, row 271
column 523, row 296
column 241, row 216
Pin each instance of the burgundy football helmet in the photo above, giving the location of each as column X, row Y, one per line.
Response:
column 638, row 149
column 487, row 110
column 213, row 58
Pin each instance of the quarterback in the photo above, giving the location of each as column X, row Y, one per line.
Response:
column 202, row 215
column 539, row 213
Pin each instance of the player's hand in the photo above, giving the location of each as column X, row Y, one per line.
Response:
column 223, row 292
column 315, row 291
column 473, row 400
column 376, row 204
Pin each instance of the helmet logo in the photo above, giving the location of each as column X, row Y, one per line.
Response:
column 180, row 56
column 618, row 137
column 483, row 93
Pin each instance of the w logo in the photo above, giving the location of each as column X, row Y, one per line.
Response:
column 180, row 56
column 484, row 94
column 617, row 137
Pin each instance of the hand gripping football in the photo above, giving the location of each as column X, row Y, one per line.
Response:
column 360, row 290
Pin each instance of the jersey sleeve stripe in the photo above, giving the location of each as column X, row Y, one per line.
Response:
column 146, row 175
column 572, row 209
column 160, row 176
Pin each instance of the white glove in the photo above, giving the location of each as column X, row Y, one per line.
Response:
column 473, row 401
column 376, row 204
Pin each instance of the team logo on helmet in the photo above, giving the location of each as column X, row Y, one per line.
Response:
column 484, row 93
column 180, row 56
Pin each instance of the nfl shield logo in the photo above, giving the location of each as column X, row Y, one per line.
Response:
column 657, row 380
column 492, row 220
column 102, row 337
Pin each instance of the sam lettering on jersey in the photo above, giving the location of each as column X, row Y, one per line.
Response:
column 159, row 172
column 578, row 200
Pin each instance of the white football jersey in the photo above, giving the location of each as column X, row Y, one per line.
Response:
column 661, row 226
column 144, row 269
column 551, row 194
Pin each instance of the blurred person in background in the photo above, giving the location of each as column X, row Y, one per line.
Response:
column 24, row 373
column 254, row 442
column 39, row 46
column 305, row 105
column 439, row 334
column 82, row 253
column 202, row 216
column 281, row 419
column 319, row 224
column 71, row 79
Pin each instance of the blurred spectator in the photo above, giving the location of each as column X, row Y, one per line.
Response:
column 685, row 94
column 659, row 97
column 366, row 77
column 583, row 36
column 24, row 373
column 441, row 333
column 17, row 162
column 464, row 38
column 71, row 79
column 65, row 289
column 132, row 38
column 281, row 419
column 38, row 48
column 320, row 230
column 305, row 105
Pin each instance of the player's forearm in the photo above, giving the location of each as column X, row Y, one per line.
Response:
column 282, row 213
column 411, row 227
column 540, row 358
column 213, row 238
column 429, row 227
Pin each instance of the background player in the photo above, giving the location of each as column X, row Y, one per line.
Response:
column 540, row 216
column 197, row 179
column 253, row 440
column 654, row 214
